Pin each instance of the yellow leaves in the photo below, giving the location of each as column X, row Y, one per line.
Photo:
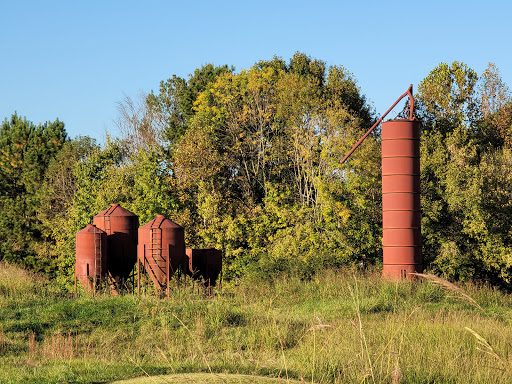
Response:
column 56, row 142
column 13, row 160
column 344, row 213
column 199, row 100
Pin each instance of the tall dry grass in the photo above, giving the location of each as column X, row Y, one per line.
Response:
column 14, row 281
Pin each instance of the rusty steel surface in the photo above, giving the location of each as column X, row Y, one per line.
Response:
column 400, row 148
column 401, row 201
column 91, row 256
column 205, row 263
column 400, row 219
column 161, row 249
column 121, row 227
column 399, row 271
column 401, row 209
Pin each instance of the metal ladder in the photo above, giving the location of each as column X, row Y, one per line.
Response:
column 98, row 272
column 107, row 225
column 156, row 253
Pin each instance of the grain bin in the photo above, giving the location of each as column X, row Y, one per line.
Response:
column 121, row 227
column 205, row 263
column 91, row 256
column 161, row 249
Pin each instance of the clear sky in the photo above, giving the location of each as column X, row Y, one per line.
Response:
column 74, row 60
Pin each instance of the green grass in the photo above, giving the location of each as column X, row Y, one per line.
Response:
column 341, row 327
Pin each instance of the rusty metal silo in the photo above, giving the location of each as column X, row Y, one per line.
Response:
column 401, row 210
column 91, row 257
column 401, row 221
column 205, row 263
column 121, row 227
column 161, row 249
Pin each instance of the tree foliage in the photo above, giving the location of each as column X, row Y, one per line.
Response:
column 262, row 156
column 26, row 150
column 464, row 157
column 249, row 163
column 174, row 104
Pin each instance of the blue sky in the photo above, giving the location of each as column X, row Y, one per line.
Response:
column 74, row 60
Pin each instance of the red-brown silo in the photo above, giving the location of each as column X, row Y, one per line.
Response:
column 205, row 263
column 161, row 249
column 121, row 227
column 91, row 256
column 401, row 209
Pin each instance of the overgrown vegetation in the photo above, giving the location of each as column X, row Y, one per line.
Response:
column 249, row 163
column 339, row 327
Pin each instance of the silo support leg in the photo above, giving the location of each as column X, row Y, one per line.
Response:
column 167, row 268
column 138, row 277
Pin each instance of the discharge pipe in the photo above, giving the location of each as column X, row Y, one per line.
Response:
column 411, row 109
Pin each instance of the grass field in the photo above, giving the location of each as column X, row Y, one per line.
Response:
column 341, row 327
column 206, row 378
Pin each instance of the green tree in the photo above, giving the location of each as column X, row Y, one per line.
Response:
column 495, row 100
column 261, row 164
column 446, row 97
column 174, row 103
column 464, row 156
column 26, row 150
column 57, row 198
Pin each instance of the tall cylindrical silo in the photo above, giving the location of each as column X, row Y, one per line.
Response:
column 401, row 205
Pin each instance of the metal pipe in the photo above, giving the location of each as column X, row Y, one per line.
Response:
column 411, row 108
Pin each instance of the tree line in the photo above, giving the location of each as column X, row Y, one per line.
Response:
column 249, row 163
